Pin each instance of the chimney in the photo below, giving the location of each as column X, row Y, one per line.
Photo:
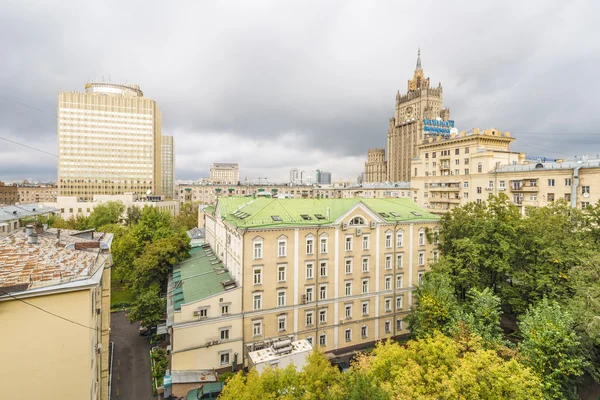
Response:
column 58, row 233
column 28, row 230
column 32, row 238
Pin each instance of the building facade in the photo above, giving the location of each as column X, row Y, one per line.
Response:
column 63, row 352
column 225, row 173
column 323, row 177
column 207, row 193
column 409, row 126
column 13, row 217
column 109, row 141
column 338, row 273
column 37, row 193
column 375, row 167
column 453, row 170
column 168, row 166
column 9, row 194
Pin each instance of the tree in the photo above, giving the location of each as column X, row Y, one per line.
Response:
column 551, row 348
column 438, row 367
column 433, row 307
column 188, row 216
column 133, row 215
column 149, row 307
column 157, row 260
column 110, row 212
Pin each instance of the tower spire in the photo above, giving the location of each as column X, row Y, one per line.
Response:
column 419, row 58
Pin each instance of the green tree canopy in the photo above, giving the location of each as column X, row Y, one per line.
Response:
column 110, row 212
column 149, row 307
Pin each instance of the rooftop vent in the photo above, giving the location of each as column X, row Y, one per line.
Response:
column 319, row 216
column 276, row 218
column 306, row 217
column 394, row 214
column 229, row 284
column 32, row 239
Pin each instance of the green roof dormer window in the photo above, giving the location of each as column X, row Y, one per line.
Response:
column 276, row 218
column 319, row 216
column 306, row 217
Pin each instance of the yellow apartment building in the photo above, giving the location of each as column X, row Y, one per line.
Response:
column 37, row 194
column 55, row 314
column 338, row 273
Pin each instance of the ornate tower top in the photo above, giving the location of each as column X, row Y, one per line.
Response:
column 418, row 81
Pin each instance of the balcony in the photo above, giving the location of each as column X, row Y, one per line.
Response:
column 446, row 200
column 524, row 189
column 448, row 188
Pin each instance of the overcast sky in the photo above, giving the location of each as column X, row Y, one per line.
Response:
column 278, row 84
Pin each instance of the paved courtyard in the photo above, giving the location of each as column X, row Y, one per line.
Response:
column 131, row 363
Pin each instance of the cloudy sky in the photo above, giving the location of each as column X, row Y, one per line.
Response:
column 279, row 84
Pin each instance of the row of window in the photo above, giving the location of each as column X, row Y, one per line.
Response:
column 323, row 244
column 309, row 291
column 446, row 153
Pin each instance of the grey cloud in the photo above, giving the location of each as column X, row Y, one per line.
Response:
column 322, row 73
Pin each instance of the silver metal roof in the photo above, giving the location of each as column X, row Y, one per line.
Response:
column 11, row 213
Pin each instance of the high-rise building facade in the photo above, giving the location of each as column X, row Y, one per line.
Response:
column 418, row 112
column 225, row 173
column 109, row 141
column 168, row 166
column 323, row 177
column 375, row 167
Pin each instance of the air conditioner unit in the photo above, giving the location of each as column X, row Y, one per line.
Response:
column 196, row 313
column 99, row 348
column 220, row 300
column 358, row 231
column 373, row 224
column 344, row 226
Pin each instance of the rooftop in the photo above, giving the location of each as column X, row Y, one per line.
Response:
column 200, row 276
column 583, row 163
column 196, row 233
column 279, row 349
column 52, row 261
column 11, row 213
column 265, row 212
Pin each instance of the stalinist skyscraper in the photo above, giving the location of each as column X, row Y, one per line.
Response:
column 420, row 104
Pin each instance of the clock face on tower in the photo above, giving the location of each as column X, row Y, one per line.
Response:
column 409, row 111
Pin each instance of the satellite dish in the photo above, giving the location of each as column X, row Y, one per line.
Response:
column 149, row 192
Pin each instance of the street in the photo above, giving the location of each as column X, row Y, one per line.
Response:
column 131, row 377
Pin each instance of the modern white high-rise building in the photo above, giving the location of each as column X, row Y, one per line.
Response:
column 168, row 166
column 109, row 141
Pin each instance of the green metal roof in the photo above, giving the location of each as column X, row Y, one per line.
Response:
column 198, row 277
column 244, row 212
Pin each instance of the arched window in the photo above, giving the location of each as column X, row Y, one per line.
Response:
column 357, row 221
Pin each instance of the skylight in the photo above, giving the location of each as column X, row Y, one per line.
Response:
column 320, row 216
column 416, row 214
column 276, row 218
column 395, row 214
column 306, row 217
column 383, row 214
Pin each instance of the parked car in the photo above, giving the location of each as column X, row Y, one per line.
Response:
column 144, row 330
column 207, row 391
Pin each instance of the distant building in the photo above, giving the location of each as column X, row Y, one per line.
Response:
column 55, row 314
column 208, row 193
column 71, row 206
column 295, row 176
column 29, row 193
column 225, row 173
column 11, row 216
column 109, row 141
column 376, row 166
column 9, row 194
column 323, row 178
column 168, row 166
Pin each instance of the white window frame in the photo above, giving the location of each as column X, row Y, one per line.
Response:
column 258, row 249
column 399, row 281
column 388, row 240
column 310, row 269
column 399, row 302
column 225, row 358
column 421, row 237
column 388, row 326
column 388, row 282
column 364, row 331
column 257, row 277
column 255, row 297
column 282, row 250
column 281, row 319
column 421, row 275
column 400, row 239
column 257, row 328
column 388, row 261
column 323, row 267
column 388, row 305
column 365, row 264
column 365, row 308
column 348, row 335
column 225, row 309
column 348, row 288
column 400, row 260
column 348, row 243
column 323, row 340
column 365, row 242
column 399, row 324
column 348, row 311
column 365, row 286
column 323, row 291
column 323, row 316
column 224, row 333
column 310, row 245
column 323, row 245
column 280, row 272
column 281, row 300
column 309, row 318
column 421, row 262
column 348, row 263
column 309, row 293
